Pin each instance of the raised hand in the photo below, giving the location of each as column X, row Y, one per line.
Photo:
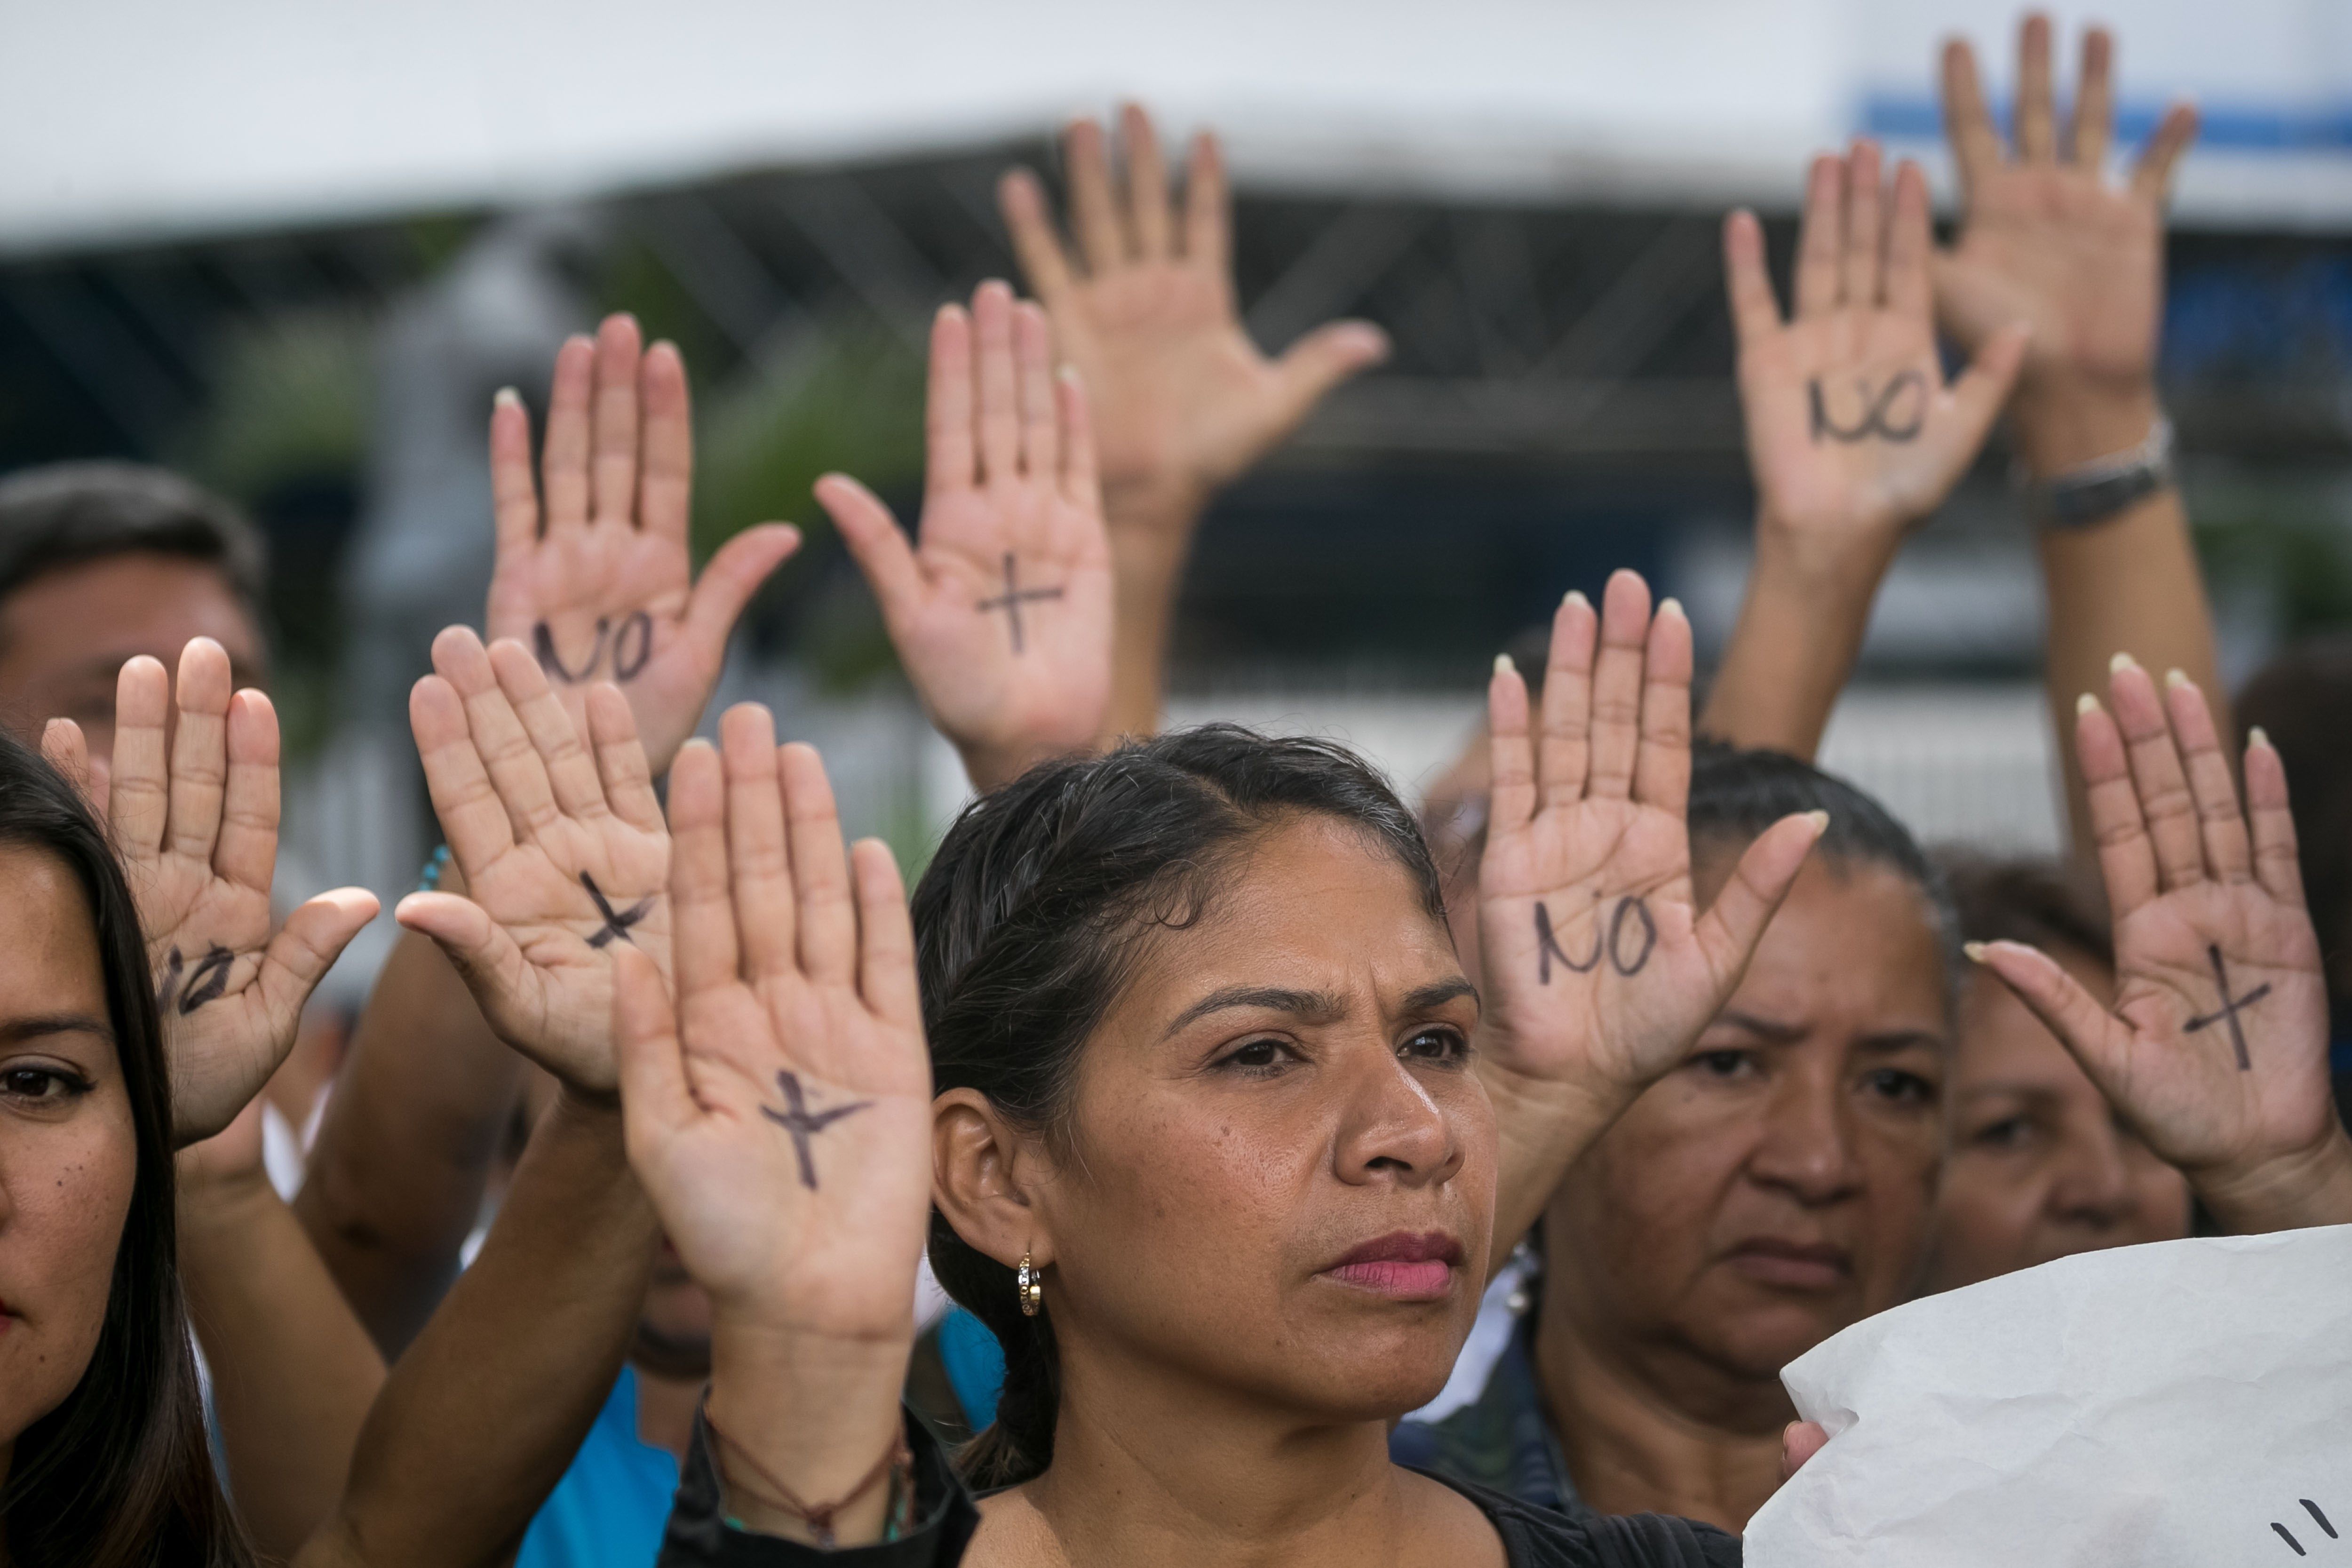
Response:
column 593, row 573
column 2045, row 238
column 2215, row 1048
column 1853, row 433
column 565, row 855
column 196, row 832
column 1601, row 969
column 779, row 1116
column 1183, row 401
column 1002, row 611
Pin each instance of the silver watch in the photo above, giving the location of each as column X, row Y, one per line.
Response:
column 2088, row 495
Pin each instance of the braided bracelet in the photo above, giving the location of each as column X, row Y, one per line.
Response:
column 898, row 1464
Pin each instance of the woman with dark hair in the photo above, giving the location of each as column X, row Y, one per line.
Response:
column 1207, row 1146
column 100, row 1429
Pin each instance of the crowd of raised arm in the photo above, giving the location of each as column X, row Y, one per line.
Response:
column 1210, row 1081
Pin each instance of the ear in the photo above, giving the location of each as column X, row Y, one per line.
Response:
column 983, row 1170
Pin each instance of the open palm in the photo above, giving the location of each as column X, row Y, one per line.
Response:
column 1600, row 968
column 592, row 571
column 1002, row 611
column 779, row 1115
column 198, row 836
column 1851, row 429
column 1183, row 401
column 2216, row 1049
column 565, row 855
column 2044, row 238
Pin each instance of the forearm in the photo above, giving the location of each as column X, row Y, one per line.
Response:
column 2129, row 583
column 421, row 1107
column 293, row 1372
column 1151, row 541
column 1542, row 1130
column 1800, row 627
column 482, row 1416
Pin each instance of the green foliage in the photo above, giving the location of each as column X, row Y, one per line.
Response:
column 2286, row 544
column 289, row 405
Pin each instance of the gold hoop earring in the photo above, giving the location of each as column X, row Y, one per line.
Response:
column 1031, row 1286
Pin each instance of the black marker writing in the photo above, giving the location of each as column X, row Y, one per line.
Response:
column 1632, row 912
column 1649, row 936
column 2288, row 1536
column 617, row 923
column 1547, row 948
column 625, row 666
column 1878, row 416
column 1012, row 598
column 207, row 981
column 2230, row 1009
column 543, row 643
column 802, row 1124
column 2311, row 1509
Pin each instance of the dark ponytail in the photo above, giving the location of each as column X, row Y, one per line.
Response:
column 1028, row 925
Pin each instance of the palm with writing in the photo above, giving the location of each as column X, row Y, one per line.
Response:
column 1852, row 433
column 565, row 855
column 1601, row 969
column 1183, row 400
column 2045, row 237
column 779, row 1115
column 593, row 570
column 196, row 832
column 1002, row 611
column 2216, row 1047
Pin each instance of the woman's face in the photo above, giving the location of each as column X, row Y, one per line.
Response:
column 1777, row 1187
column 2039, row 1167
column 67, row 1153
column 1280, row 1178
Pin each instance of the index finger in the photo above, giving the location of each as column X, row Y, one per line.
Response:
column 246, row 850
column 666, row 486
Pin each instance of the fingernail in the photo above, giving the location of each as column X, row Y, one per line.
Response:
column 2258, row 736
column 1576, row 598
column 1975, row 949
column 1067, row 372
column 1820, row 819
column 1672, row 604
column 2121, row 662
column 2174, row 680
column 1503, row 664
column 508, row 397
column 2085, row 703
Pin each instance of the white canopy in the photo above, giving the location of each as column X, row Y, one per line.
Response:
column 138, row 119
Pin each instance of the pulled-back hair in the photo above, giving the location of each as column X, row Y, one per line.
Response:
column 62, row 514
column 119, row 1475
column 1735, row 794
column 1030, row 920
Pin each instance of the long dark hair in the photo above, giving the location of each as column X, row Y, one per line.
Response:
column 1029, row 923
column 119, row 1475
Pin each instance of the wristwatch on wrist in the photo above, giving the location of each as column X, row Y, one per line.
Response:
column 2098, row 490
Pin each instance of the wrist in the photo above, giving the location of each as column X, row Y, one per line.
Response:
column 1844, row 565
column 1159, row 511
column 2312, row 1186
column 2061, row 422
column 808, row 1414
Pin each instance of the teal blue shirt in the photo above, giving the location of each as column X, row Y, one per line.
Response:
column 608, row 1510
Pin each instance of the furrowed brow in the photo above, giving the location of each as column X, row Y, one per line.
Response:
column 1314, row 1006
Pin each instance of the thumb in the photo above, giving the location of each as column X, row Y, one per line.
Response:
column 483, row 955
column 1322, row 360
column 1800, row 1441
column 302, row 951
column 2094, row 1037
column 1985, row 384
column 654, row 1101
column 728, row 581
column 875, row 543
column 1729, row 932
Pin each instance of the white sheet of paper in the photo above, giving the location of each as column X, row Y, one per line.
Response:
column 2182, row 1405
